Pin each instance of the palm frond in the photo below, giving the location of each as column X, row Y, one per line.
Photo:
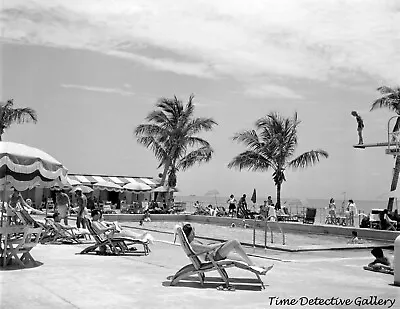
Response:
column 201, row 155
column 390, row 99
column 250, row 160
column 149, row 129
column 308, row 159
column 154, row 145
column 193, row 141
column 160, row 118
column 386, row 90
column 197, row 125
column 249, row 138
column 21, row 115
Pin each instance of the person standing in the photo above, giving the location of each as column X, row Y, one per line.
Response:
column 332, row 211
column 242, row 207
column 360, row 127
column 352, row 208
column 232, row 205
column 62, row 205
column 145, row 205
column 81, row 201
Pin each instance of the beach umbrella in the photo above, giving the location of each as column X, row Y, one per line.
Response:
column 107, row 185
column 23, row 167
column 137, row 187
column 254, row 197
column 214, row 193
column 85, row 189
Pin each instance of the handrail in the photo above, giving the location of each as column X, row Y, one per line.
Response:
column 393, row 137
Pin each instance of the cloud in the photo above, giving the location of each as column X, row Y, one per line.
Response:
column 99, row 89
column 292, row 39
column 271, row 91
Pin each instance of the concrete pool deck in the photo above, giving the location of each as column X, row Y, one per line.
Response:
column 70, row 280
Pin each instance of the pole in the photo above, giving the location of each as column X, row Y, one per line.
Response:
column 6, row 225
column 254, row 233
column 265, row 234
column 397, row 261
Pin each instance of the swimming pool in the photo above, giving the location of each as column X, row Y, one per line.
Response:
column 293, row 241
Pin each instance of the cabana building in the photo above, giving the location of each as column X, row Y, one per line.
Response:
column 114, row 194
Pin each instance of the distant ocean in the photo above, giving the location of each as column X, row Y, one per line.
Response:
column 293, row 204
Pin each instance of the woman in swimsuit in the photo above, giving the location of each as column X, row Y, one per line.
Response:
column 230, row 249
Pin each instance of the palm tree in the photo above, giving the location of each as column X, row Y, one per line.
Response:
column 390, row 99
column 271, row 146
column 9, row 115
column 171, row 133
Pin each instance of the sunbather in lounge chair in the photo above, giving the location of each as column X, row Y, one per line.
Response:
column 381, row 262
column 111, row 229
column 75, row 232
column 231, row 249
column 107, row 238
column 218, row 258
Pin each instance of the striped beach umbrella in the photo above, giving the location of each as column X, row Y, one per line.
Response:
column 23, row 167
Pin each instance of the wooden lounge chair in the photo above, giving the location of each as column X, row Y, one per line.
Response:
column 23, row 245
column 117, row 245
column 65, row 233
column 200, row 268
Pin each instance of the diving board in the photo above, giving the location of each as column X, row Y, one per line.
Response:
column 383, row 144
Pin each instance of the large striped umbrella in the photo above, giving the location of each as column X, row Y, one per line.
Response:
column 23, row 167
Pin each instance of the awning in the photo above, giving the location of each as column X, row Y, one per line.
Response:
column 81, row 179
column 148, row 182
column 73, row 182
column 100, row 179
column 132, row 180
column 119, row 180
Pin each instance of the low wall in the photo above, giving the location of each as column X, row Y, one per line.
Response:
column 291, row 227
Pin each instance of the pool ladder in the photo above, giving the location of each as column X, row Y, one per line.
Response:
column 266, row 228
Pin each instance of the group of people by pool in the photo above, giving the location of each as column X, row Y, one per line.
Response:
column 230, row 249
column 240, row 209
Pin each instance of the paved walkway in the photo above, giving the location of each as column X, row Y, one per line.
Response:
column 69, row 280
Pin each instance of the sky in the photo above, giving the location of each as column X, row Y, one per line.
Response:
column 94, row 69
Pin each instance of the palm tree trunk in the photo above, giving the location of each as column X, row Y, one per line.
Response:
column 166, row 167
column 395, row 180
column 278, row 196
column 397, row 125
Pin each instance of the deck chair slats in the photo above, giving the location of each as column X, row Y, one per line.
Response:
column 117, row 245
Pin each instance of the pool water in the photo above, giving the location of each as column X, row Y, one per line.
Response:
column 245, row 235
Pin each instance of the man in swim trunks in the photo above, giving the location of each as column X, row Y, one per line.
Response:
column 62, row 205
column 360, row 127
column 81, row 202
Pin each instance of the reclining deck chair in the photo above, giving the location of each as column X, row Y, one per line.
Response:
column 23, row 245
column 63, row 233
column 117, row 245
column 200, row 268
column 48, row 233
